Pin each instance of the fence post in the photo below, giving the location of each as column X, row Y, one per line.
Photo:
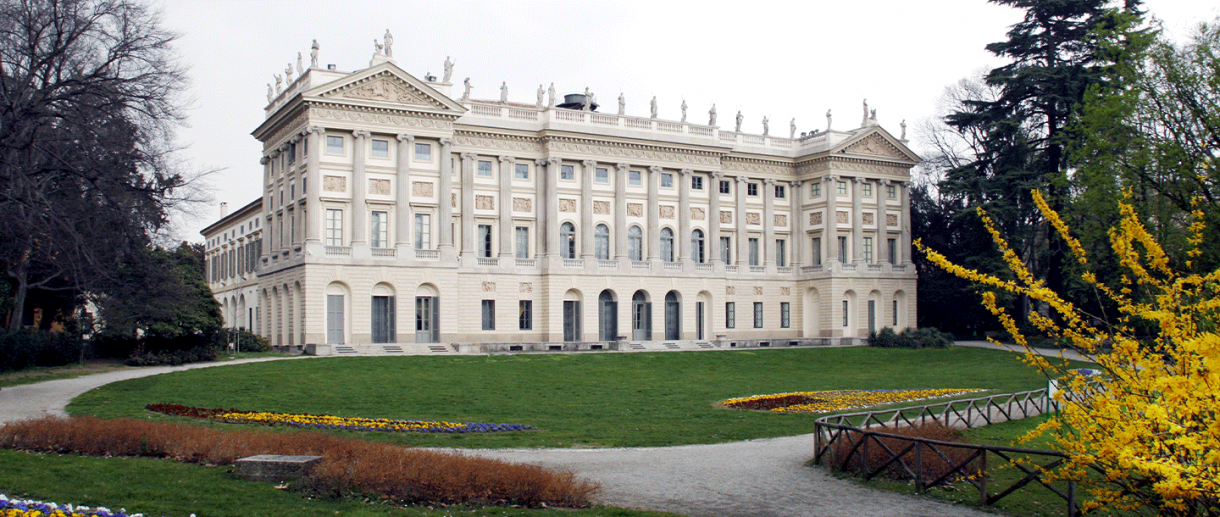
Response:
column 983, row 478
column 864, row 452
column 919, row 466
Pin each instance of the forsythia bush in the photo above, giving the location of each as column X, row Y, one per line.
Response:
column 1145, row 433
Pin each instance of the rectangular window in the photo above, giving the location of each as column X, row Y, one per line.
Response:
column 334, row 227
column 842, row 188
column 817, row 251
column 844, row 313
column 423, row 152
column 842, row 249
column 567, row 172
column 334, row 144
column 380, row 229
column 868, row 250
column 381, row 149
column 305, row 147
column 485, row 240
column 726, row 187
column 696, row 182
column 525, row 315
column 815, row 189
column 751, row 189
column 667, row 180
column 891, row 192
column 758, row 315
column 785, row 315
column 868, row 190
column 601, row 175
column 292, row 191
column 523, row 242
column 892, row 244
column 484, row 168
column 292, row 153
column 780, row 192
column 489, row 315
column 726, row 250
column 423, row 231
column 730, row 315
column 633, row 177
column 753, row 251
column 781, row 252
column 523, row 171
column 895, row 312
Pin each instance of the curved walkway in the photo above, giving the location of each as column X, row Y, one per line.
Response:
column 751, row 478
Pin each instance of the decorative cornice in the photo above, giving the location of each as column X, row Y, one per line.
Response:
column 362, row 114
column 385, row 87
column 854, row 165
column 629, row 150
column 497, row 141
column 733, row 163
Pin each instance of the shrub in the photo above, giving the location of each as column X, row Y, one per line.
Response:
column 174, row 358
column 886, row 338
column 251, row 342
column 926, row 337
column 349, row 466
column 934, row 466
column 26, row 348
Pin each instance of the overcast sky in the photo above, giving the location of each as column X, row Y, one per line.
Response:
column 782, row 60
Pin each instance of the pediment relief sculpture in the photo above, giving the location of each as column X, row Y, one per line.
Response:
column 875, row 145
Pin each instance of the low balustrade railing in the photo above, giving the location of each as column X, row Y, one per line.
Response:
column 607, row 264
column 859, row 442
column 338, row 250
column 384, row 252
column 428, row 254
column 482, row 261
column 573, row 262
column 641, row 264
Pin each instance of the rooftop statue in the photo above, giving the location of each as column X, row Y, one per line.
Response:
column 541, row 92
column 270, row 94
column 766, row 126
column 864, row 121
column 792, row 128
column 654, row 106
column 903, row 125
column 504, row 92
column 288, row 73
column 448, row 70
column 740, row 119
column 279, row 84
column 711, row 121
column 389, row 44
column 313, row 54
column 683, row 110
column 300, row 65
column 551, row 96
column 622, row 104
column 828, row 120
column 466, row 96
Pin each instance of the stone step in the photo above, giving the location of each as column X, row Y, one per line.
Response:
column 392, row 349
column 438, row 349
column 341, row 349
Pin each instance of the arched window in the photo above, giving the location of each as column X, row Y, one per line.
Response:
column 635, row 243
column 667, row 245
column 567, row 240
column 601, row 238
column 673, row 316
column 696, row 246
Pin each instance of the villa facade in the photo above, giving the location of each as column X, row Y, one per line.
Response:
column 396, row 215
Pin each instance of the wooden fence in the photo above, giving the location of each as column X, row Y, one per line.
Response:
column 843, row 441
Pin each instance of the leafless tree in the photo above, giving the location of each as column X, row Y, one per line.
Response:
column 89, row 103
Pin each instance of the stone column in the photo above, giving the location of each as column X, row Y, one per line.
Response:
column 620, row 211
column 507, row 172
column 444, row 196
column 683, row 240
column 713, row 218
column 268, row 195
column 743, row 233
column 768, row 245
column 313, row 185
column 904, row 244
column 402, row 210
column 586, row 209
column 360, row 187
column 830, row 222
column 857, row 221
column 796, row 224
column 541, row 217
column 654, row 213
column 553, row 166
column 468, row 245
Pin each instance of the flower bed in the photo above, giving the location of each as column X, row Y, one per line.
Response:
column 837, row 400
column 237, row 416
column 26, row 508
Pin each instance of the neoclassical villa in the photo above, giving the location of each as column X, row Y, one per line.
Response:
column 397, row 214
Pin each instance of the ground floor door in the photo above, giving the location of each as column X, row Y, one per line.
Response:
column 607, row 318
column 427, row 317
column 699, row 321
column 872, row 316
column 334, row 319
column 673, row 317
column 571, row 320
column 641, row 320
column 383, row 319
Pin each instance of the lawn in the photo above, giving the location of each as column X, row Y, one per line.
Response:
column 171, row 489
column 576, row 400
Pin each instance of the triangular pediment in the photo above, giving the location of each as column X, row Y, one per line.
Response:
column 386, row 84
column 876, row 143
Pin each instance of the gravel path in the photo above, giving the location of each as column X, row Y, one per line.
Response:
column 751, row 478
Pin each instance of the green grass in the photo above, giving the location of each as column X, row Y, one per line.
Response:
column 166, row 488
column 576, row 400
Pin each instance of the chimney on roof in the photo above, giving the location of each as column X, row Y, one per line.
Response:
column 224, row 209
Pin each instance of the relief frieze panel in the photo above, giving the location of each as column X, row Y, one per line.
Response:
column 815, row 218
column 667, row 212
column 601, row 207
column 567, row 205
column 842, row 217
column 868, row 218
column 635, row 209
column 891, row 219
column 421, row 189
column 753, row 218
column 697, row 214
column 523, row 204
column 726, row 217
column 334, row 183
column 379, row 187
column 781, row 220
column 485, row 202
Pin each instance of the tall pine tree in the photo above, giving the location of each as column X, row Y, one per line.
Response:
column 1055, row 53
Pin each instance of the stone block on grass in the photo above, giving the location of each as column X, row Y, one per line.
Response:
column 275, row 468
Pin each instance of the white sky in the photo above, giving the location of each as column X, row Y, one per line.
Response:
column 778, row 59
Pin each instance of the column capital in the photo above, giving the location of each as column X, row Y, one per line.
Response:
column 622, row 166
column 446, row 141
column 508, row 159
column 769, row 181
column 742, row 179
column 883, row 181
column 796, row 183
column 860, row 179
column 717, row 174
column 541, row 161
column 313, row 129
column 552, row 161
column 283, row 148
column 264, row 160
column 654, row 169
column 468, row 156
column 588, row 163
column 295, row 139
column 275, row 153
column 361, row 133
column 830, row 177
column 403, row 137
column 686, row 172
